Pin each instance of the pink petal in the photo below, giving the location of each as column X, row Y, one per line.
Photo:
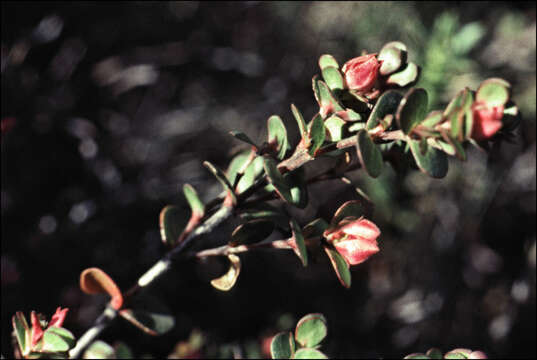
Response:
column 356, row 251
column 37, row 331
column 487, row 121
column 58, row 317
column 363, row 228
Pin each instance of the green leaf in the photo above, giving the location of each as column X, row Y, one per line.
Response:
column 228, row 280
column 334, row 125
column 193, row 200
column 264, row 211
column 282, row 346
column 317, row 134
column 301, row 250
column 456, row 112
column 250, row 175
column 149, row 315
column 432, row 119
column 354, row 208
column 455, row 355
column 299, row 188
column 369, row 154
column 172, row 222
column 251, row 232
column 341, row 267
column 386, row 104
column 412, row 109
column 349, row 115
column 123, row 351
column 22, row 332
column 315, row 228
column 326, row 100
column 221, row 177
column 396, row 44
column 311, row 330
column 99, row 350
column 433, row 161
column 307, row 353
column 277, row 134
column 392, row 59
column 494, row 92
column 57, row 339
column 243, row 137
column 300, row 120
column 327, row 60
column 236, row 165
column 404, row 77
column 333, row 78
column 281, row 186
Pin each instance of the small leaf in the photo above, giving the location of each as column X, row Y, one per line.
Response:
column 99, row 350
column 494, row 92
column 392, row 59
column 341, row 267
column 412, row 110
column 266, row 212
column 327, row 60
column 326, row 100
column 299, row 187
column 227, row 281
column 301, row 250
column 251, row 232
column 455, row 355
column 307, row 353
column 404, row 77
column 193, row 200
column 300, row 120
column 172, row 222
column 96, row 281
column 396, row 44
column 456, row 111
column 149, row 315
column 353, row 208
column 311, row 330
column 349, row 115
column 335, row 125
column 236, row 165
column 417, row 356
column 281, row 186
column 57, row 339
column 221, row 178
column 333, row 78
column 315, row 228
column 386, row 104
column 22, row 332
column 250, row 175
column 277, row 134
column 433, row 161
column 369, row 154
column 282, row 346
column 433, row 118
column 243, row 137
column 317, row 133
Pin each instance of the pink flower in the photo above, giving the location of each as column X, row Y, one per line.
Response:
column 361, row 72
column 56, row 320
column 487, row 120
column 355, row 240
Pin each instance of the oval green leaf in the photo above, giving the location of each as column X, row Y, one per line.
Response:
column 172, row 222
column 405, row 77
column 221, row 177
column 307, row 353
column 299, row 188
column 327, row 60
column 300, row 120
column 494, row 92
column 99, row 350
column 22, row 332
column 317, row 133
column 277, row 134
column 57, row 339
column 311, row 330
column 432, row 161
column 251, row 232
column 281, row 186
column 369, row 154
column 412, row 109
column 334, row 124
column 386, row 104
column 341, row 267
column 333, row 78
column 282, row 346
column 301, row 250
column 196, row 205
column 392, row 59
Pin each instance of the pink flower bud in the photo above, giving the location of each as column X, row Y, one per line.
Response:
column 361, row 72
column 355, row 240
column 487, row 120
column 58, row 317
column 37, row 330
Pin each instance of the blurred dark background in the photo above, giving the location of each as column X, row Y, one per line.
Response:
column 108, row 109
